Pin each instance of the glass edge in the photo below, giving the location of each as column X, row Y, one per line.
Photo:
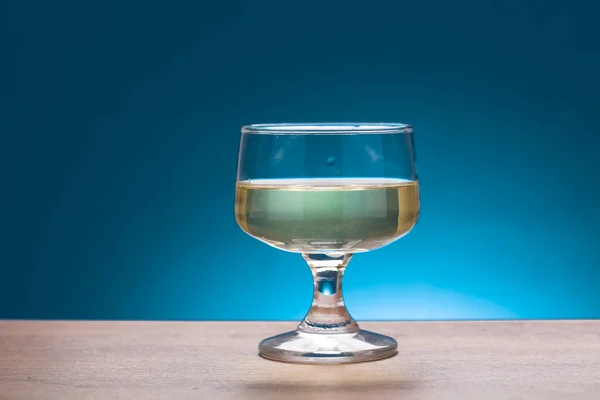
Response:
column 272, row 129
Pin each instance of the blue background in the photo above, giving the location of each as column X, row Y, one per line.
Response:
column 120, row 130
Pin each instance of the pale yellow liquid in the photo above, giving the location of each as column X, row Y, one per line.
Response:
column 327, row 215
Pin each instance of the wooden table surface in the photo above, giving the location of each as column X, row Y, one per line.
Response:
column 218, row 360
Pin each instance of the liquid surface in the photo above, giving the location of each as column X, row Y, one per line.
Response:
column 327, row 215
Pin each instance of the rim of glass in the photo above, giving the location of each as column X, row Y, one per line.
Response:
column 328, row 128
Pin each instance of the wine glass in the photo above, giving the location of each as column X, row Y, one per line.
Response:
column 327, row 191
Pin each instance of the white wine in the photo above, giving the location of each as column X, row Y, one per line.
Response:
column 327, row 215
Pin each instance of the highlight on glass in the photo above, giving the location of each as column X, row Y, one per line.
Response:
column 327, row 191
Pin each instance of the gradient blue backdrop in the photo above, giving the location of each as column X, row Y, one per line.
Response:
column 119, row 136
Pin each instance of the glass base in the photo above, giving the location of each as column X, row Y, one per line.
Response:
column 328, row 348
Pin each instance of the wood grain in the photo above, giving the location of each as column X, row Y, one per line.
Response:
column 218, row 360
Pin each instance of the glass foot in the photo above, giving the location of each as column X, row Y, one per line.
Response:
column 328, row 348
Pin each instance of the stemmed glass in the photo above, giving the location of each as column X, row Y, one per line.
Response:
column 327, row 191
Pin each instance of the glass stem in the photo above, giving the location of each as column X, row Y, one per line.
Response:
column 328, row 313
